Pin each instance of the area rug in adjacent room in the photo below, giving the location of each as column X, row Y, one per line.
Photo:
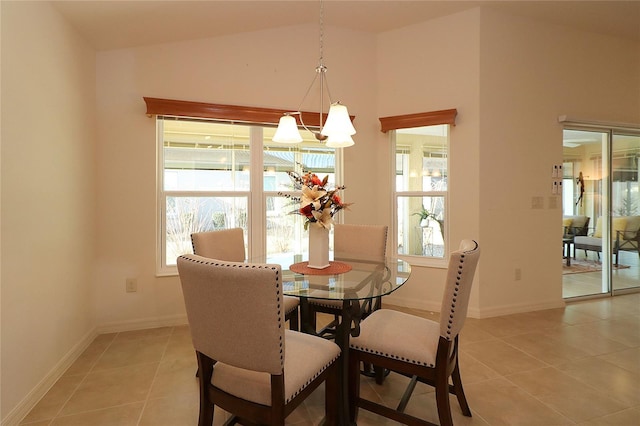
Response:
column 579, row 266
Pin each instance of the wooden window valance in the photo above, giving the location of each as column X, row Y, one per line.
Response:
column 170, row 107
column 445, row 116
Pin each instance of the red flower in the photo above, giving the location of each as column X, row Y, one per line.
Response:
column 336, row 200
column 315, row 180
column 306, row 211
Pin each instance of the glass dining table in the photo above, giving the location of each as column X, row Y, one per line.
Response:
column 357, row 283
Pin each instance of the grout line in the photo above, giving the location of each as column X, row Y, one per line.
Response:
column 153, row 381
column 84, row 379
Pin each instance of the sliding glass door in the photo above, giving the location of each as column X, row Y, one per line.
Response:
column 601, row 212
column 625, row 200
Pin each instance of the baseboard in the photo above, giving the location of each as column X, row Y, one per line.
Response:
column 472, row 312
column 498, row 311
column 142, row 324
column 35, row 395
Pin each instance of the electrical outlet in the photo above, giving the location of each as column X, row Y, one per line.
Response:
column 131, row 285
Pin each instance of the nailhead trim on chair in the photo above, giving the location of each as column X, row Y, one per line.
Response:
column 311, row 379
column 455, row 295
column 412, row 361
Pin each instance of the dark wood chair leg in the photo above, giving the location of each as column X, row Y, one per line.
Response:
column 354, row 386
column 457, row 385
column 294, row 321
column 442, row 400
column 205, row 370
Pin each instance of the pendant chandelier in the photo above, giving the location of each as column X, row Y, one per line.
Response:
column 337, row 129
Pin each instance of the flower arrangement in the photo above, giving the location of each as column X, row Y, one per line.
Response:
column 318, row 202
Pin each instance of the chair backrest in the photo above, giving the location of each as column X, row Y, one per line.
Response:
column 224, row 244
column 235, row 311
column 359, row 241
column 455, row 301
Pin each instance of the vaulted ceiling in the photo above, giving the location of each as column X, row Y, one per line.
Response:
column 121, row 24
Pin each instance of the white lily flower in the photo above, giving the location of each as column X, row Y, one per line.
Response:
column 312, row 196
column 323, row 217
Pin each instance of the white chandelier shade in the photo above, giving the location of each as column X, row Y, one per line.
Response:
column 339, row 141
column 287, row 131
column 338, row 121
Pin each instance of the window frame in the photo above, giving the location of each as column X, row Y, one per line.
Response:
column 257, row 119
column 390, row 125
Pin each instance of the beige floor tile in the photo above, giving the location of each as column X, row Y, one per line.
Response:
column 314, row 406
column 552, row 318
column 501, row 357
column 174, row 377
column 586, row 338
column 109, row 388
column 391, row 390
column 366, row 418
column 500, row 402
column 172, row 411
column 104, row 339
column 615, row 381
column 472, row 370
column 604, row 309
column 505, row 326
column 629, row 417
column 568, row 396
column 126, row 352
column 629, row 359
column 89, row 357
column 624, row 329
column 54, row 400
column 424, row 407
column 123, row 415
column 474, row 333
column 178, row 347
column 144, row 334
column 545, row 347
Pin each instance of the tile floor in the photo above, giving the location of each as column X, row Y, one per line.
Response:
column 577, row 365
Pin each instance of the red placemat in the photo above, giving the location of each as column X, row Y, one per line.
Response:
column 332, row 269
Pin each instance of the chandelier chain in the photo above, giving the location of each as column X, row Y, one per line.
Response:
column 321, row 32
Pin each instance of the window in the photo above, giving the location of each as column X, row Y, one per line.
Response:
column 218, row 175
column 421, row 170
column 420, row 151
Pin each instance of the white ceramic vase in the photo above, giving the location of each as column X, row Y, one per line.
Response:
column 318, row 247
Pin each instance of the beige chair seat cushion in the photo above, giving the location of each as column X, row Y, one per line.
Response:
column 306, row 356
column 399, row 336
column 290, row 304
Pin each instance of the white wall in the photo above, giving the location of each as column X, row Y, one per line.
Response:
column 510, row 78
column 438, row 67
column 265, row 69
column 48, row 99
column 531, row 73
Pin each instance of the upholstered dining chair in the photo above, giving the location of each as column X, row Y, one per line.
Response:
column 228, row 244
column 351, row 242
column 251, row 365
column 425, row 350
